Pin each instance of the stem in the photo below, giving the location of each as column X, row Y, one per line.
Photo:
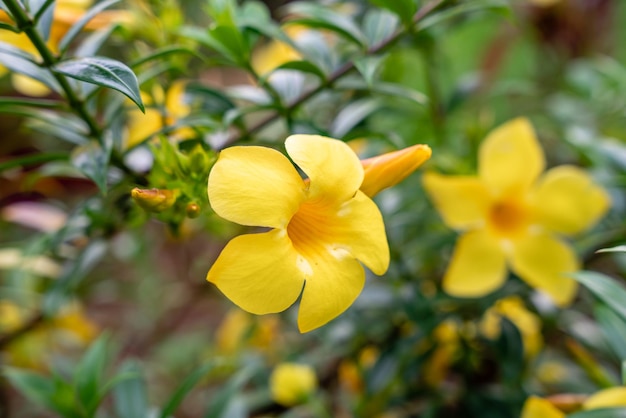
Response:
column 27, row 25
column 337, row 74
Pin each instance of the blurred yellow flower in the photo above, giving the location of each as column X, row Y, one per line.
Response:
column 292, row 384
column 70, row 329
column 162, row 110
column 351, row 373
column 536, row 407
column 528, row 324
column 321, row 228
column 240, row 330
column 272, row 55
column 511, row 215
column 66, row 13
column 447, row 345
column 389, row 169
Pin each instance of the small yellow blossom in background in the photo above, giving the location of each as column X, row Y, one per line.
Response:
column 66, row 13
column 292, row 384
column 351, row 373
column 162, row 109
column 512, row 215
column 447, row 345
column 69, row 330
column 528, row 324
column 321, row 228
column 239, row 330
column 272, row 55
column 389, row 169
column 536, row 407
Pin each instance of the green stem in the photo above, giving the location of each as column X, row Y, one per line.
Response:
column 27, row 25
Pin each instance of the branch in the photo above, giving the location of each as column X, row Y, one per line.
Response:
column 337, row 74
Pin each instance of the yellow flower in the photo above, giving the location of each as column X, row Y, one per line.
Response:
column 66, row 13
column 389, row 169
column 171, row 107
column 528, row 324
column 511, row 214
column 321, row 228
column 536, row 407
column 276, row 53
column 239, row 330
column 292, row 384
column 447, row 346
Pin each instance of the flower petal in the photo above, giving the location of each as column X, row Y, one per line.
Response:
column 607, row 398
column 478, row 266
column 259, row 272
column 386, row 170
column 141, row 126
column 255, row 186
column 543, row 262
column 360, row 231
column 333, row 168
column 568, row 201
column 462, row 201
column 535, row 407
column 510, row 158
column 335, row 281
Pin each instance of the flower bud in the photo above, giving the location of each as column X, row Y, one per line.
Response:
column 154, row 200
column 193, row 210
column 389, row 169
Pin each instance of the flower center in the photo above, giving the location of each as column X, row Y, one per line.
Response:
column 310, row 230
column 509, row 217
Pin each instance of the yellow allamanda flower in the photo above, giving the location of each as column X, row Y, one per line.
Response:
column 292, row 383
column 512, row 215
column 536, row 407
column 528, row 324
column 241, row 331
column 275, row 53
column 169, row 108
column 321, row 228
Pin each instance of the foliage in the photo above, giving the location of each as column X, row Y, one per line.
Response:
column 114, row 117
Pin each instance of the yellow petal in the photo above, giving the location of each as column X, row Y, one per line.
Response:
column 174, row 100
column 462, row 201
column 28, row 86
column 359, row 229
column 535, row 407
column 510, row 159
column 333, row 168
column 568, row 201
column 333, row 283
column 255, row 186
column 389, row 169
column 607, row 398
column 258, row 272
column 291, row 383
column 543, row 262
column 478, row 266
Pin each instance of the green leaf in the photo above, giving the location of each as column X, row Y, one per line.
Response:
column 404, row 9
column 89, row 374
column 184, row 388
column 32, row 159
column 618, row 249
column 103, row 72
column 352, row 115
column 379, row 25
column 303, row 66
column 614, row 329
column 80, row 24
column 461, row 9
column 219, row 405
column 604, row 288
column 601, row 413
column 44, row 16
column 37, row 388
column 92, row 43
column 163, row 52
column 23, row 63
column 130, row 397
column 320, row 16
column 93, row 161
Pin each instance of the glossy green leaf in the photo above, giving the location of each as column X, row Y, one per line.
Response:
column 220, row 405
column 618, row 249
column 614, row 329
column 185, row 387
column 103, row 72
column 36, row 387
column 23, row 63
column 353, row 114
column 80, row 24
column 379, row 25
column 130, row 397
column 319, row 16
column 92, row 43
column 44, row 16
column 604, row 288
column 601, row 413
column 462, row 9
column 164, row 52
